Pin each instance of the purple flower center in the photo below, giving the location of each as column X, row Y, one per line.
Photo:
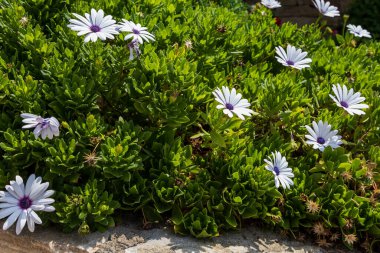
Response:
column 25, row 202
column 276, row 170
column 135, row 31
column 344, row 104
column 45, row 124
column 289, row 62
column 229, row 106
column 95, row 28
column 320, row 140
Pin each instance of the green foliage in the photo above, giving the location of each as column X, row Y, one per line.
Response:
column 145, row 135
column 198, row 223
column 87, row 208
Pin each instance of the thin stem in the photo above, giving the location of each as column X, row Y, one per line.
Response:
column 344, row 26
column 318, row 19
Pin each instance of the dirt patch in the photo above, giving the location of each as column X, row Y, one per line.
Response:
column 28, row 243
column 10, row 243
column 118, row 243
column 131, row 238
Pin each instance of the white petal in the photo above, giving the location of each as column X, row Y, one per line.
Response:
column 93, row 16
column 228, row 112
column 38, row 191
column 101, row 36
column 49, row 209
column 28, row 115
column 35, row 217
column 99, row 17
column 358, row 106
column 76, row 24
column 43, row 134
column 7, row 211
column 11, row 219
column 46, row 201
column 87, row 38
column 240, row 116
column 8, row 198
column 33, row 125
column 281, row 53
column 83, row 19
column 37, row 131
column 29, row 183
column 128, row 36
column 30, row 223
column 47, row 194
column 18, row 189
column 277, row 183
column 93, row 37
column 354, row 111
column 107, row 23
column 6, row 205
column 49, row 133
column 21, row 222
column 37, row 207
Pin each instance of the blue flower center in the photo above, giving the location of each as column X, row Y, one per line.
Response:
column 276, row 170
column 229, row 106
column 25, row 202
column 95, row 28
column 344, row 104
column 135, row 31
column 289, row 62
column 320, row 140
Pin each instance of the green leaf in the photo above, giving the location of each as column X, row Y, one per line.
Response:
column 374, row 230
column 9, row 138
column 217, row 139
column 360, row 173
column 177, row 217
column 231, row 221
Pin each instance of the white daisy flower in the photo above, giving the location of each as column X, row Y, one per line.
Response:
column 326, row 9
column 20, row 202
column 279, row 166
column 271, row 4
column 358, row 31
column 232, row 103
column 94, row 26
column 321, row 136
column 137, row 32
column 45, row 127
column 348, row 100
column 293, row 57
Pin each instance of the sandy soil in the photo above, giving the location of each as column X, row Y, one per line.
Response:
column 133, row 239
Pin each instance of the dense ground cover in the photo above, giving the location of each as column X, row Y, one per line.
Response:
column 146, row 136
